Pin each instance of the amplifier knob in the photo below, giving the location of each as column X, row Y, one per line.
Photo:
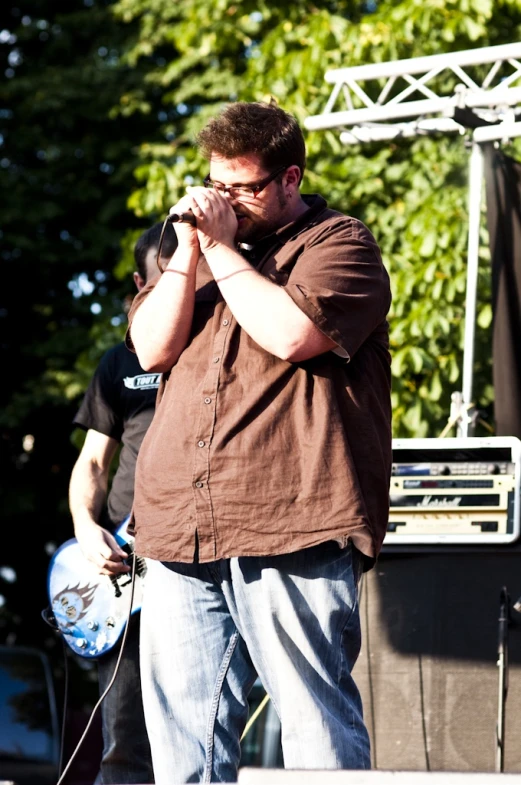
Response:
column 445, row 470
column 493, row 469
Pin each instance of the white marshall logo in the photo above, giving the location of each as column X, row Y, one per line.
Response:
column 431, row 501
column 148, row 381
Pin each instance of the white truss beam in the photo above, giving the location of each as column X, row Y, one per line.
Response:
column 444, row 85
column 497, row 133
column 383, row 132
column 422, row 86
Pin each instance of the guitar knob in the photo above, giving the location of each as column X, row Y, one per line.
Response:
column 93, row 625
column 81, row 643
column 110, row 622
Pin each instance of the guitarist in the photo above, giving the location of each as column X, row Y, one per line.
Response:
column 116, row 411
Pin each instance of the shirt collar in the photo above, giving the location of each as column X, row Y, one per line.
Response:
column 316, row 205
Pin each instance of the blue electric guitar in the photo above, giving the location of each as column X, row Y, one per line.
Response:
column 90, row 609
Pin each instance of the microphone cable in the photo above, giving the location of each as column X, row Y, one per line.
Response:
column 188, row 218
column 160, row 244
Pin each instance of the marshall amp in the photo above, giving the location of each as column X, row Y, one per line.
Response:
column 462, row 490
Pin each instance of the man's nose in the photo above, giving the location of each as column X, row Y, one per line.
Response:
column 233, row 201
column 229, row 196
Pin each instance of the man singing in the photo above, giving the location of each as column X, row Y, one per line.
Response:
column 262, row 485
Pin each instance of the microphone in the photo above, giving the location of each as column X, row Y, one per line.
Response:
column 186, row 218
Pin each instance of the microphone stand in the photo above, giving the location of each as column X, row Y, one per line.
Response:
column 502, row 663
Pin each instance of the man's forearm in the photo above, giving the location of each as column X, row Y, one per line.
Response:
column 264, row 310
column 87, row 493
column 162, row 323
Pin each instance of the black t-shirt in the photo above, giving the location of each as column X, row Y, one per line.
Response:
column 119, row 403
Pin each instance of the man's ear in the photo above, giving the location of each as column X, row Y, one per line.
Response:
column 139, row 281
column 293, row 175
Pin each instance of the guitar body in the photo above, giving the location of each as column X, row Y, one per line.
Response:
column 90, row 609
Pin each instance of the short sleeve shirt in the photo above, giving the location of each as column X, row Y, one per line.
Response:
column 252, row 455
column 119, row 403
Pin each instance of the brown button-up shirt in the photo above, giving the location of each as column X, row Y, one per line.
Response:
column 252, row 455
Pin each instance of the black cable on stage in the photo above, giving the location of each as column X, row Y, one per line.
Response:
column 48, row 617
column 64, row 710
column 423, row 714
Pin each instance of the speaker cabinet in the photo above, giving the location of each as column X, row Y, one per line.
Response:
column 428, row 669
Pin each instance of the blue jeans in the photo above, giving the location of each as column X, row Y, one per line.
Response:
column 208, row 629
column 126, row 750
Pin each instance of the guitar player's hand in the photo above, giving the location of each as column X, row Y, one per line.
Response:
column 99, row 547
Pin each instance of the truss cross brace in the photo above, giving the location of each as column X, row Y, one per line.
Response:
column 376, row 103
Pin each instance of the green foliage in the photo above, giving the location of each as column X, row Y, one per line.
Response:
column 412, row 194
column 66, row 170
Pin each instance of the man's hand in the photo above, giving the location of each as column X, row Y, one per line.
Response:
column 216, row 219
column 186, row 233
column 100, row 547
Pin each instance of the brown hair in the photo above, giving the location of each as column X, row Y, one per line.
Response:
column 264, row 129
column 150, row 239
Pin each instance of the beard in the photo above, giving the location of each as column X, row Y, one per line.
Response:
column 253, row 229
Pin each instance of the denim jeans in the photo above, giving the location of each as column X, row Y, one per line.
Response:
column 208, row 629
column 126, row 750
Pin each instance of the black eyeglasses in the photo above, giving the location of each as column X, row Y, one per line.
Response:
column 240, row 191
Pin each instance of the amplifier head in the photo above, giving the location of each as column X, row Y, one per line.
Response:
column 447, row 491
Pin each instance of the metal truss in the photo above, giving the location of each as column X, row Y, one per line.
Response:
column 428, row 89
column 450, row 96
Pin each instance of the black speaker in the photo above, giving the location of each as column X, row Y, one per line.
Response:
column 428, row 669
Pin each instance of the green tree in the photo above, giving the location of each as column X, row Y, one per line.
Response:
column 411, row 193
column 66, row 169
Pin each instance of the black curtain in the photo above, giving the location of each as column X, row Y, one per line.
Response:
column 503, row 201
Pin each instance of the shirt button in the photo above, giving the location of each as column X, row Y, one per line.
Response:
column 216, row 359
column 198, row 484
column 200, row 444
column 225, row 322
column 207, row 400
